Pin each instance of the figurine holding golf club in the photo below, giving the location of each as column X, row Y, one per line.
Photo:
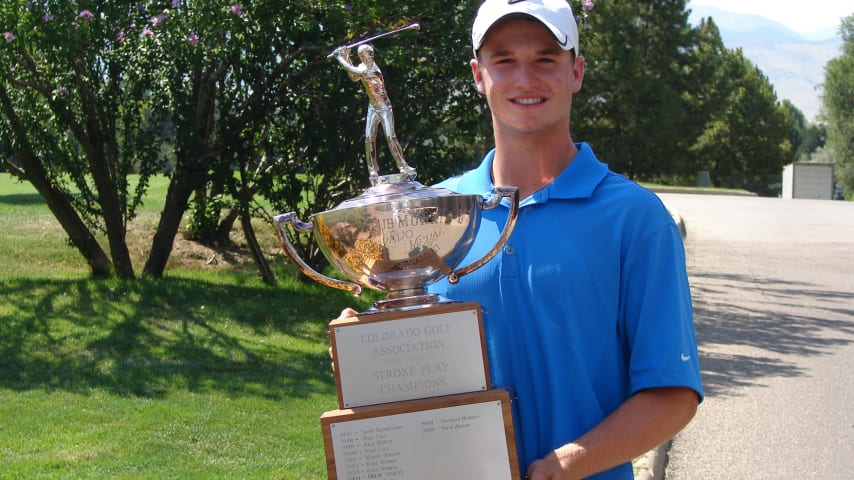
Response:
column 379, row 105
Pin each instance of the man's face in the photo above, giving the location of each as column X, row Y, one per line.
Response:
column 527, row 78
column 367, row 57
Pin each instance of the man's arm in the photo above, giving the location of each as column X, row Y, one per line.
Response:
column 343, row 57
column 644, row 421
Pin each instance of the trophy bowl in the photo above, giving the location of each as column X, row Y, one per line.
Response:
column 399, row 237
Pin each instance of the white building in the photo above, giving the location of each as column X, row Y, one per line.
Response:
column 808, row 180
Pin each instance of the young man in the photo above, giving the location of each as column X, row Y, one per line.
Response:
column 587, row 309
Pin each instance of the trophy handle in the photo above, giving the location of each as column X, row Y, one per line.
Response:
column 512, row 194
column 300, row 226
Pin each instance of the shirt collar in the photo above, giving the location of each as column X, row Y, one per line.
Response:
column 578, row 180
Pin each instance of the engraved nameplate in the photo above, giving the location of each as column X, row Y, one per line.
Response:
column 396, row 356
column 462, row 436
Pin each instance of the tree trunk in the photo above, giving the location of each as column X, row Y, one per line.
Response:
column 177, row 199
column 190, row 171
column 264, row 269
column 80, row 236
column 225, row 226
column 100, row 149
column 114, row 222
column 57, row 202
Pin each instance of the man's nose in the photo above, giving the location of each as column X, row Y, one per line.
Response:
column 526, row 75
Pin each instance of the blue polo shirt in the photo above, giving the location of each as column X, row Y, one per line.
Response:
column 587, row 304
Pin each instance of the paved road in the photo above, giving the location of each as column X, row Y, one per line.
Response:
column 773, row 287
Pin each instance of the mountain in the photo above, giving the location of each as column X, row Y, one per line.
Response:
column 793, row 63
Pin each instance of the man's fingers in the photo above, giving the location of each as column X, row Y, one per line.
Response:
column 346, row 313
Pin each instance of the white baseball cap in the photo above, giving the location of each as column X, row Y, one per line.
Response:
column 556, row 15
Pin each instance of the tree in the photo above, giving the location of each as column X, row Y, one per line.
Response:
column 239, row 97
column 701, row 92
column 838, row 107
column 232, row 70
column 75, row 112
column 746, row 140
column 805, row 138
column 631, row 103
column 663, row 100
column 738, row 130
column 437, row 110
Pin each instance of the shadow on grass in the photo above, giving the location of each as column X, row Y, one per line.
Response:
column 22, row 199
column 152, row 338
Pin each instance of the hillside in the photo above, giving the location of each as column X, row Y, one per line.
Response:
column 793, row 63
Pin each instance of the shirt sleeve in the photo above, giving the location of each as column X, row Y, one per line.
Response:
column 658, row 315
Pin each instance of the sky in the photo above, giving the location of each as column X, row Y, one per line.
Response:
column 801, row 16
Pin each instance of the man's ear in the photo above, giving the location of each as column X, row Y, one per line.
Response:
column 577, row 74
column 477, row 74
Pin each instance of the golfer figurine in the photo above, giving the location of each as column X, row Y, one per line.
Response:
column 379, row 110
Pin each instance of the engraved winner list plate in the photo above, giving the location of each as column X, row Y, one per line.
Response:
column 458, row 436
column 396, row 356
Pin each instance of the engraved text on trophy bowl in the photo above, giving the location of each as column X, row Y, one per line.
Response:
column 399, row 244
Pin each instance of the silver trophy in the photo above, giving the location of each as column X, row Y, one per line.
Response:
column 399, row 236
column 415, row 359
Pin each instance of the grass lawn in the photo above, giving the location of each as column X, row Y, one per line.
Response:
column 207, row 373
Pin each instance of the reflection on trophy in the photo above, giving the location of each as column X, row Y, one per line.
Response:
column 411, row 372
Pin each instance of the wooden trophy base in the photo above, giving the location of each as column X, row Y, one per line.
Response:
column 467, row 436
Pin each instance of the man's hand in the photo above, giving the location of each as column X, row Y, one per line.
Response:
column 547, row 468
column 346, row 313
column 645, row 420
column 343, row 52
